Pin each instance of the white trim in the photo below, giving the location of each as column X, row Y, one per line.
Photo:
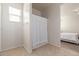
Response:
column 29, row 51
column 54, row 44
column 17, row 46
column 0, row 27
column 39, row 45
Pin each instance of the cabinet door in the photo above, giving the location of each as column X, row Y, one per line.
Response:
column 39, row 31
column 35, row 30
column 43, row 30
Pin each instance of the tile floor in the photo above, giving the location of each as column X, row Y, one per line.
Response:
column 66, row 49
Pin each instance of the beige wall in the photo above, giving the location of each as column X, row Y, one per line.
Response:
column 40, row 12
column 0, row 26
column 69, row 18
column 54, row 25
column 26, row 27
column 45, row 13
column 11, row 32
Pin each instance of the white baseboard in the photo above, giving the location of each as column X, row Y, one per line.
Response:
column 28, row 50
column 17, row 46
column 39, row 45
column 54, row 44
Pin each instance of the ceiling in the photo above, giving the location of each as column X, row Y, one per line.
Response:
column 42, row 6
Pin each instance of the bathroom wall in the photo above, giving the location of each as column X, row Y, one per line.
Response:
column 0, row 26
column 70, row 17
column 27, row 10
column 11, row 27
column 54, row 24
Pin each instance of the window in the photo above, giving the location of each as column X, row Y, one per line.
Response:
column 14, row 14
